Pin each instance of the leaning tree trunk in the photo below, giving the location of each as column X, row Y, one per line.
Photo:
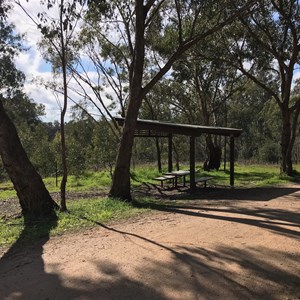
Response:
column 121, row 180
column 33, row 196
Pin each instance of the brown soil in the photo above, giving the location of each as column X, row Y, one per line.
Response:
column 219, row 244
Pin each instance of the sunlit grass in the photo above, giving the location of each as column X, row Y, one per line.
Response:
column 83, row 182
column 90, row 212
column 251, row 176
column 245, row 176
column 82, row 214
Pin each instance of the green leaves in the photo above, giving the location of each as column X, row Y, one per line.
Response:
column 11, row 79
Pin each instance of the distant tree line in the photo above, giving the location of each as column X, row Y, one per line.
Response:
column 92, row 146
column 213, row 63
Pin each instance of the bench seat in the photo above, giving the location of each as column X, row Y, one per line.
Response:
column 203, row 179
column 164, row 178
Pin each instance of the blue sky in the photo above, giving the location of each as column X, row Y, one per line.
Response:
column 32, row 63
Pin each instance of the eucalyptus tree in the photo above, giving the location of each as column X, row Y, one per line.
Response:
column 25, row 114
column 208, row 85
column 32, row 193
column 265, row 47
column 157, row 106
column 253, row 109
column 57, row 24
column 138, row 31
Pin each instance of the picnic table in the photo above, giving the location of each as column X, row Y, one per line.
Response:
column 177, row 174
column 174, row 175
column 165, row 178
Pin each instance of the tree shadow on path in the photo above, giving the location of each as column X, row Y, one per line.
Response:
column 218, row 193
column 222, row 273
column 225, row 207
column 23, row 275
column 191, row 271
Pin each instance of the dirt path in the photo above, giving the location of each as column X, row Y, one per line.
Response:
column 236, row 244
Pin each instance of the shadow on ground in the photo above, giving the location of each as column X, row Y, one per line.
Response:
column 216, row 193
column 224, row 272
column 191, row 272
column 221, row 204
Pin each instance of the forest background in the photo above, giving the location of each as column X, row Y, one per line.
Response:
column 234, row 79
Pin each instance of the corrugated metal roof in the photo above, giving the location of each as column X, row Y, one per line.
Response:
column 153, row 126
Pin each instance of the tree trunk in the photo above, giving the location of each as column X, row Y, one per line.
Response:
column 286, row 161
column 158, row 151
column 121, row 180
column 63, row 44
column 64, row 167
column 214, row 155
column 33, row 196
column 176, row 156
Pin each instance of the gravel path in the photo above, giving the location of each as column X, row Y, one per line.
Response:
column 223, row 244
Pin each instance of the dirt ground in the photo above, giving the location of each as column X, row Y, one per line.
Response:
column 219, row 244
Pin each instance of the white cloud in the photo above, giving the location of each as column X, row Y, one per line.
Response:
column 31, row 62
column 34, row 67
column 23, row 24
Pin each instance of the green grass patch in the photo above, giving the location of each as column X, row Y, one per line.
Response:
column 89, row 212
column 9, row 193
column 251, row 176
column 82, row 214
column 245, row 176
column 7, row 190
column 144, row 173
column 83, row 182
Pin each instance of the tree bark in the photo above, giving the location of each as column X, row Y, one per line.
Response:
column 63, row 57
column 121, row 180
column 286, row 161
column 214, row 155
column 33, row 196
column 158, row 151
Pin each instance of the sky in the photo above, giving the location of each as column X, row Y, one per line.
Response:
column 32, row 63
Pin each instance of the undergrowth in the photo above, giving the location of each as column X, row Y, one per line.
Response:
column 89, row 212
column 81, row 214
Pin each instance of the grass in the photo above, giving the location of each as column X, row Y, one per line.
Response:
column 86, row 182
column 82, row 214
column 252, row 176
column 86, row 213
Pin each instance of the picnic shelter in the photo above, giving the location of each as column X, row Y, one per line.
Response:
column 154, row 128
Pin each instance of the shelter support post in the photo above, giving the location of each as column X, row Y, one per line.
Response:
column 232, row 161
column 192, row 163
column 170, row 154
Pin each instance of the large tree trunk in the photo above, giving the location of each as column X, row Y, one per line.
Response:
column 214, row 153
column 121, row 179
column 286, row 153
column 33, row 196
